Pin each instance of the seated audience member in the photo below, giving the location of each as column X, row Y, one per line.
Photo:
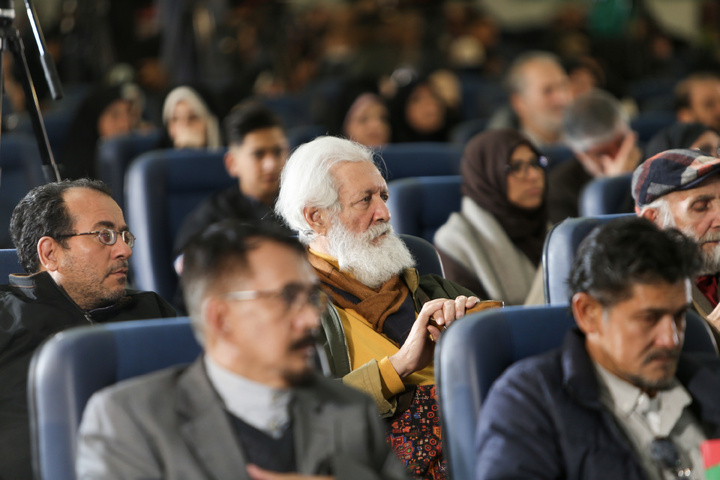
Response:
column 539, row 94
column 493, row 245
column 251, row 406
column 419, row 114
column 360, row 114
column 72, row 238
column 597, row 130
column 681, row 189
column 619, row 399
column 692, row 136
column 107, row 112
column 257, row 153
column 380, row 335
column 188, row 121
column 697, row 99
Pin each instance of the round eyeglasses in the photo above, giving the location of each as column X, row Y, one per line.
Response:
column 106, row 236
column 293, row 296
column 520, row 169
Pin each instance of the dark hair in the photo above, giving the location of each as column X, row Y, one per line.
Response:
column 681, row 93
column 42, row 213
column 246, row 118
column 626, row 251
column 224, row 246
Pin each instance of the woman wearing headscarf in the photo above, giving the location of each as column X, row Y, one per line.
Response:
column 684, row 135
column 188, row 121
column 493, row 245
column 106, row 112
column 419, row 114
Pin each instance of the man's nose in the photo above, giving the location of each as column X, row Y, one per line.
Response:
column 121, row 249
column 382, row 213
column 669, row 333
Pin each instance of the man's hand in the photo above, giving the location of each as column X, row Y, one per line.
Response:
column 714, row 317
column 625, row 160
column 257, row 473
column 436, row 315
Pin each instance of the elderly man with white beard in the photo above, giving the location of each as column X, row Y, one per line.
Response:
column 380, row 335
column 680, row 189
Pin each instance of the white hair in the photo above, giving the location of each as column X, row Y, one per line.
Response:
column 664, row 217
column 196, row 104
column 306, row 180
column 594, row 118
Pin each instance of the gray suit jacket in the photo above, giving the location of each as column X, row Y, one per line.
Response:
column 172, row 424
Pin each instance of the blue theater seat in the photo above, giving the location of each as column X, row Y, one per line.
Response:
column 9, row 263
column 115, row 155
column 475, row 351
column 420, row 205
column 422, row 159
column 162, row 187
column 76, row 363
column 605, row 196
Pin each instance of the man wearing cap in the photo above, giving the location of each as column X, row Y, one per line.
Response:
column 680, row 188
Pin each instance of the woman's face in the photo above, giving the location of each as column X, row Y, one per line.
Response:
column 369, row 124
column 525, row 179
column 424, row 111
column 186, row 128
column 115, row 120
column 708, row 143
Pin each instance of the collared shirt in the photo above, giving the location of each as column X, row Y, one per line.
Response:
column 644, row 419
column 263, row 407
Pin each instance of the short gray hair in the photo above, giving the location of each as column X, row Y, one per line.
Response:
column 664, row 217
column 594, row 118
column 306, row 180
column 516, row 80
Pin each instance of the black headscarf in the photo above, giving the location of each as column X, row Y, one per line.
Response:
column 680, row 135
column 402, row 131
column 484, row 180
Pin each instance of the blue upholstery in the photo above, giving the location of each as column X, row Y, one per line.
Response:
column 463, row 132
column 20, row 170
column 404, row 160
column 559, row 252
column 420, row 205
column 9, row 263
column 115, row 155
column 473, row 352
column 648, row 124
column 296, row 136
column 162, row 187
column 427, row 258
column 57, row 125
column 605, row 196
column 74, row 364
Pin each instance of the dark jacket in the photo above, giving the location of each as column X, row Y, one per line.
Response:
column 32, row 309
column 543, row 418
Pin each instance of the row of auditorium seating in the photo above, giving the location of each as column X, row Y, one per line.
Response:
column 469, row 357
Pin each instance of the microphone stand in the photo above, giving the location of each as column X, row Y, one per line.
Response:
column 10, row 40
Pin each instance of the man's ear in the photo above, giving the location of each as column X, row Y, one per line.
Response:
column 317, row 219
column 588, row 313
column 685, row 115
column 48, row 250
column 214, row 313
column 517, row 104
column 649, row 213
column 229, row 161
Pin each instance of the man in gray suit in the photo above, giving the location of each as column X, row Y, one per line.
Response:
column 252, row 406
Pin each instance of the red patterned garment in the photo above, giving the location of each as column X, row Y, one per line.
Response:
column 415, row 436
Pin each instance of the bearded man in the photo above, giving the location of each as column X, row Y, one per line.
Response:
column 679, row 189
column 380, row 335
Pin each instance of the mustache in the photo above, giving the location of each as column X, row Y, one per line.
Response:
column 662, row 355
column 710, row 237
column 309, row 340
column 121, row 265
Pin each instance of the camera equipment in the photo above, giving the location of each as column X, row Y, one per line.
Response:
column 10, row 39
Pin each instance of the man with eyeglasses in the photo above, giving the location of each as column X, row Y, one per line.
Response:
column 681, row 189
column 72, row 241
column 252, row 406
column 619, row 399
column 596, row 129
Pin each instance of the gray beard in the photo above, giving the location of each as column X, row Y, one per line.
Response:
column 710, row 260
column 371, row 264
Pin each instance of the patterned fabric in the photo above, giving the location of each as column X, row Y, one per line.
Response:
column 708, row 285
column 669, row 171
column 414, row 435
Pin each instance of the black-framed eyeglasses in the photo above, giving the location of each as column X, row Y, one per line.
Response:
column 106, row 236
column 293, row 295
column 665, row 453
column 521, row 169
